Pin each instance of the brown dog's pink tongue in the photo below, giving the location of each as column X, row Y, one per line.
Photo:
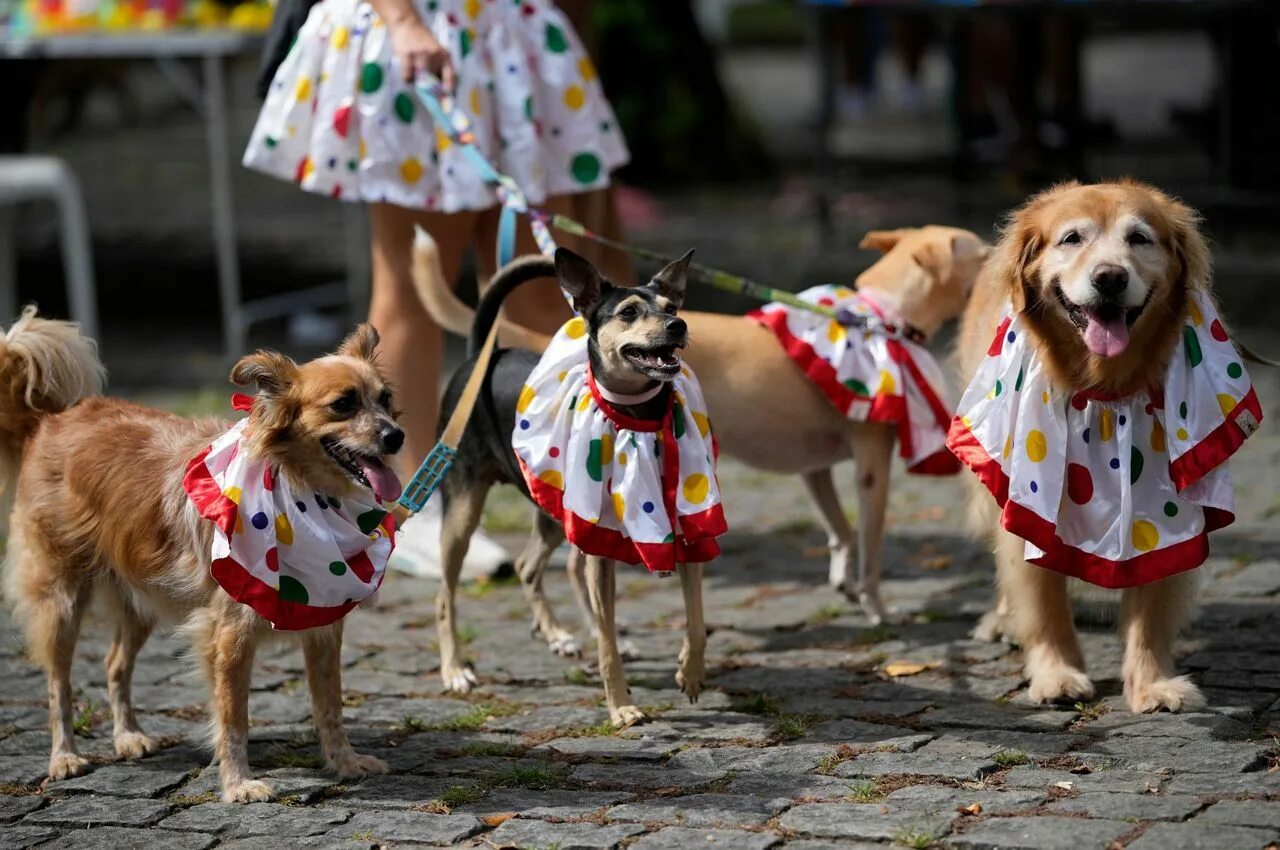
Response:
column 385, row 484
column 1107, row 338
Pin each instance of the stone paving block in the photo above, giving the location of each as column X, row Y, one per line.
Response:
column 20, row 836
column 1264, row 814
column 520, row 833
column 25, row 770
column 1128, row 781
column 296, row 784
column 1205, row 756
column 932, row 799
column 237, row 820
column 796, row 786
column 677, row 838
column 13, row 808
column 397, row 791
column 685, row 725
column 701, row 810
column 609, row 747
column 305, row 842
column 1257, row 782
column 554, row 803
column 789, row 758
column 145, row 778
column 917, row 764
column 1203, row 835
column 858, row 734
column 393, row 711
column 85, row 811
column 551, row 718
column 629, row 776
column 867, row 821
column 391, row 827
column 827, row 844
column 994, row 716
column 1121, row 806
column 1191, row 726
column 1039, row 833
column 117, row 838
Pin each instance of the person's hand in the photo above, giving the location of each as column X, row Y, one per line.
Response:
column 417, row 50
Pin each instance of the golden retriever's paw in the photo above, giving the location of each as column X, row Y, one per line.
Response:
column 458, row 680
column 66, row 765
column 135, row 745
column 1176, row 694
column 353, row 766
column 564, row 645
column 1059, row 684
column 248, row 791
column 626, row 715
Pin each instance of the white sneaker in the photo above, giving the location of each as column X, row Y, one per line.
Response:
column 417, row 551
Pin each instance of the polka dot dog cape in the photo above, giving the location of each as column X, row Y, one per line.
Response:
column 1116, row 491
column 640, row 491
column 301, row 559
column 340, row 121
column 845, row 363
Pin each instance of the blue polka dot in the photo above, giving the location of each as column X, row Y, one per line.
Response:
column 524, row 424
column 259, row 520
column 648, row 507
column 1085, row 435
column 302, row 507
column 1035, row 488
column 333, row 162
column 1122, row 419
column 321, row 502
column 1012, row 336
column 1115, row 463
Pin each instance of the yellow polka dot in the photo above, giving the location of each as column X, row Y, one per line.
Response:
column 475, row 102
column 473, row 8
column 552, row 478
column 619, row 506
column 561, row 376
column 1008, row 445
column 411, row 171
column 1196, row 318
column 303, row 91
column 843, row 292
column 1226, row 403
column 239, row 524
column 1037, row 446
column 622, row 458
column 835, row 332
column 696, row 488
column 340, row 38
column 574, row 97
column 1044, row 396
column 586, row 69
column 284, row 531
column 233, row 493
column 703, row 423
column 527, row 394
column 966, row 421
column 442, row 141
column 575, row 328
column 584, row 401
column 1106, row 427
column 308, row 168
column 364, row 149
column 1145, row 536
column 888, row 385
column 1182, row 433
column 1157, row 438
column 606, row 449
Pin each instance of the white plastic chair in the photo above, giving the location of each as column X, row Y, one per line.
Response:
column 35, row 178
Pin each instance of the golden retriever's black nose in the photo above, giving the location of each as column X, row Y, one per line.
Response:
column 677, row 326
column 1110, row 280
column 391, row 439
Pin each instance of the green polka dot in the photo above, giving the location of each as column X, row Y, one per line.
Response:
column 352, row 165
column 595, row 465
column 1135, row 465
column 338, row 568
column 291, row 590
column 670, row 538
column 1170, row 509
column 432, row 5
column 556, row 41
column 1017, row 385
column 270, row 142
column 528, row 108
column 585, row 167
column 1234, row 370
column 858, row 387
column 465, row 40
column 677, row 421
column 370, row 519
column 1182, row 410
column 1194, row 355
column 404, row 107
column 605, row 127
column 999, row 388
column 335, row 504
column 370, row 77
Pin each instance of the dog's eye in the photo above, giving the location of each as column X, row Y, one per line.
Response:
column 672, row 309
column 345, row 404
column 384, row 400
column 628, row 313
column 1137, row 237
column 1072, row 237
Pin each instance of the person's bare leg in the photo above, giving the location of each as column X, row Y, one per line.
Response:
column 539, row 304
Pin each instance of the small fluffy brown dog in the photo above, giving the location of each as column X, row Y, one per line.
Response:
column 1100, row 273
column 100, row 512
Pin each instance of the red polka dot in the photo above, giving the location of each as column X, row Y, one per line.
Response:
column 267, row 479
column 342, row 120
column 826, row 302
column 997, row 344
column 1079, row 401
column 273, row 560
column 1079, row 484
column 1219, row 333
column 554, row 452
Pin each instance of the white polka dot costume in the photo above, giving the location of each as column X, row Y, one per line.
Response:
column 640, row 491
column 301, row 559
column 1116, row 491
column 869, row 376
column 339, row 120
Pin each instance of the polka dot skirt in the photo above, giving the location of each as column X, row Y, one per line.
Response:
column 339, row 120
column 1117, row 491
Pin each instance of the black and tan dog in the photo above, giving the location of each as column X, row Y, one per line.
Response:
column 634, row 338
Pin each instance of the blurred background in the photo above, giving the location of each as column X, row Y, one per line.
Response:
column 768, row 134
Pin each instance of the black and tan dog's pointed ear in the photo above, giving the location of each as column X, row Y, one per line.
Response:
column 361, row 344
column 674, row 277
column 580, row 279
column 270, row 370
column 883, row 240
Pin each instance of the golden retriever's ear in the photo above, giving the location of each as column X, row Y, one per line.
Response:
column 884, row 240
column 1019, row 246
column 270, row 370
column 1189, row 246
column 361, row 344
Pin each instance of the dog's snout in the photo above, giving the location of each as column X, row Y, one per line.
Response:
column 1110, row 280
column 677, row 326
column 390, row 439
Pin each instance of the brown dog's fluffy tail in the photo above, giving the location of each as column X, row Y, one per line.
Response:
column 447, row 309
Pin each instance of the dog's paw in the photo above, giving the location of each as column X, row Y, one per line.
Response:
column 626, row 715
column 691, row 674
column 1059, row 683
column 564, row 645
column 352, row 765
column 1176, row 694
column 135, row 745
column 248, row 791
column 459, row 680
column 66, row 765
column 990, row 628
column 627, row 650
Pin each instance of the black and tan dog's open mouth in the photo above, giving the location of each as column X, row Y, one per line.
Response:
column 366, row 470
column 663, row 358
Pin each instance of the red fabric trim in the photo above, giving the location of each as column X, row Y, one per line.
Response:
column 240, row 401
column 1215, row 449
column 941, row 462
column 284, row 615
column 211, row 503
column 1030, row 526
column 997, row 344
column 817, row 370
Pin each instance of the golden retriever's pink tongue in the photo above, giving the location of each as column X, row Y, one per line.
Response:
column 385, row 484
column 1106, row 338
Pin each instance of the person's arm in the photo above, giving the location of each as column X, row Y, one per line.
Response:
column 415, row 48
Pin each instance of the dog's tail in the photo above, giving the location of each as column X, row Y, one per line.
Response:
column 447, row 309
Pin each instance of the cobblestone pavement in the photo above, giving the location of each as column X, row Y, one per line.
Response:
column 803, row 740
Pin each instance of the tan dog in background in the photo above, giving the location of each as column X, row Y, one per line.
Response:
column 767, row 413
column 100, row 512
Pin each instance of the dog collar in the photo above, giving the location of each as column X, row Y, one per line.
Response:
column 625, row 399
column 885, row 321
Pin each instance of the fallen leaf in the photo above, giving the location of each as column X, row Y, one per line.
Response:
column 937, row 562
column 1081, row 770
column 1065, row 786
column 975, row 809
column 909, row 668
column 498, row 820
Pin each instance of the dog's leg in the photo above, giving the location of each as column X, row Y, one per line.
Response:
column 600, row 590
column 873, row 454
column 839, row 532
column 531, row 566
column 576, row 569
column 230, row 656
column 131, row 633
column 693, row 654
column 1150, row 618
column 992, row 625
column 322, row 651
column 461, row 516
column 1040, row 620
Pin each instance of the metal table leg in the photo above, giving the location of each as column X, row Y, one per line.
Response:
column 224, row 233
